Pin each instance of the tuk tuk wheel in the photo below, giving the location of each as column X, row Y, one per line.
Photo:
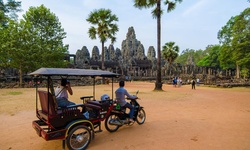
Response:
column 79, row 138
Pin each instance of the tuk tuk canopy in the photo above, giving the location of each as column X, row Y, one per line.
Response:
column 72, row 72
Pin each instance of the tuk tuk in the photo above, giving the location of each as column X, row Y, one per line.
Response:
column 75, row 125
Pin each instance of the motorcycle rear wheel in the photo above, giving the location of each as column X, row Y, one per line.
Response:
column 110, row 127
column 141, row 116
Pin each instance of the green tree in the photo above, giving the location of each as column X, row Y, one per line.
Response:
column 104, row 26
column 48, row 36
column 235, row 40
column 198, row 55
column 4, row 55
column 182, row 58
column 244, row 72
column 18, row 47
column 36, row 41
column 8, row 10
column 224, row 36
column 211, row 58
column 190, row 57
column 170, row 52
column 157, row 12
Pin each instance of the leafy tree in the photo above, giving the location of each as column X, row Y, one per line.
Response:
column 244, row 72
column 48, row 36
column 8, row 10
column 18, row 47
column 170, row 52
column 241, row 39
column 157, row 12
column 196, row 56
column 36, row 41
column 211, row 58
column 182, row 58
column 224, row 36
column 104, row 27
column 4, row 55
column 235, row 40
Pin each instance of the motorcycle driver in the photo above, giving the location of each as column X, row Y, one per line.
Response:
column 120, row 97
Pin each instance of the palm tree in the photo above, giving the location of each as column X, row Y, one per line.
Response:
column 170, row 52
column 157, row 12
column 105, row 27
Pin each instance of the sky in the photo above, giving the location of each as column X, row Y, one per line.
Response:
column 193, row 24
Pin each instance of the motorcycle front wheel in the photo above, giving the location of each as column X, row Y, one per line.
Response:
column 141, row 116
column 108, row 123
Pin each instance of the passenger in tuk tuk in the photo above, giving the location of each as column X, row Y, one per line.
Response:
column 61, row 94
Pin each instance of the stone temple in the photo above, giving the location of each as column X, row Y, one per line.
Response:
column 130, row 60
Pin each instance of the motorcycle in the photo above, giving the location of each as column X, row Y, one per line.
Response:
column 118, row 116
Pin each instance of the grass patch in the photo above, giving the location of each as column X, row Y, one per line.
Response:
column 14, row 93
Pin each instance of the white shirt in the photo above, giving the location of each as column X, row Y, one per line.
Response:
column 61, row 92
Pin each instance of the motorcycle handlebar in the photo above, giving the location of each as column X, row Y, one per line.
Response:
column 132, row 98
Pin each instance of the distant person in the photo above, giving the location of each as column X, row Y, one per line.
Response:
column 174, row 81
column 61, row 94
column 180, row 82
column 126, row 77
column 193, row 84
column 120, row 93
column 198, row 82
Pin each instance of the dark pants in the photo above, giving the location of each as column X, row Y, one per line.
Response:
column 193, row 86
column 131, row 112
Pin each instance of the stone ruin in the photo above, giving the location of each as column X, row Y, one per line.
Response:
column 131, row 61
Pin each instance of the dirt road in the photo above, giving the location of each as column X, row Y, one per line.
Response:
column 177, row 119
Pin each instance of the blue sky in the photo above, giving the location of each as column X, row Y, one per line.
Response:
column 194, row 24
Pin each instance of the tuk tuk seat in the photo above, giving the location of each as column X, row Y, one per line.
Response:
column 51, row 114
column 48, row 104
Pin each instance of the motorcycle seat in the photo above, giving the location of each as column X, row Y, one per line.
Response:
column 89, row 105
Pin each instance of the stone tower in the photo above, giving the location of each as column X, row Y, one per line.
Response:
column 152, row 57
column 95, row 53
column 111, row 50
column 130, row 44
column 82, row 57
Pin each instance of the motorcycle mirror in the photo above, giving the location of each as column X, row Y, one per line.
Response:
column 137, row 92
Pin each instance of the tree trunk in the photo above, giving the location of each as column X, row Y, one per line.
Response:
column 20, row 77
column 103, row 67
column 170, row 69
column 237, row 71
column 158, row 84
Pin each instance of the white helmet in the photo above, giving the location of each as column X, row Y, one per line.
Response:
column 105, row 97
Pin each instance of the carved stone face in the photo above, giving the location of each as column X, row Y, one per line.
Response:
column 82, row 57
column 131, row 50
column 151, row 52
column 95, row 53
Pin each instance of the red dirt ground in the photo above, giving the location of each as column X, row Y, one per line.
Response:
column 177, row 119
